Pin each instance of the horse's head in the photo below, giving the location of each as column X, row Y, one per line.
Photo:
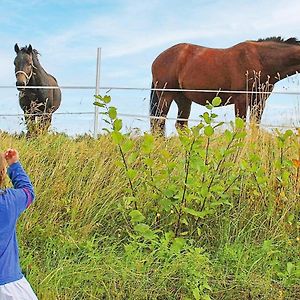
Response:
column 23, row 65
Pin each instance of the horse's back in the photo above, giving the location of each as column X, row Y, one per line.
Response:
column 191, row 66
column 213, row 68
column 167, row 65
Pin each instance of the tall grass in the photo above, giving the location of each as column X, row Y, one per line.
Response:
column 78, row 240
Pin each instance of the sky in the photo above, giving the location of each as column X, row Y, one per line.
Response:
column 131, row 34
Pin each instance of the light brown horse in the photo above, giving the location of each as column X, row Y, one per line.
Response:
column 252, row 66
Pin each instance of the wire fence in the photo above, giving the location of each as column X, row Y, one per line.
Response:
column 133, row 113
column 108, row 89
column 135, row 116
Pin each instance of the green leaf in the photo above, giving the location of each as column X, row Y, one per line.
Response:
column 132, row 157
column 149, row 162
column 288, row 133
column 261, row 179
column 184, row 233
column 219, row 124
column 127, row 145
column 216, row 101
column 209, row 106
column 178, row 245
column 267, row 245
column 148, row 143
column 244, row 165
column 117, row 126
column 228, row 135
column 169, row 235
column 208, row 131
column 136, row 216
column 241, row 135
column 131, row 173
column 165, row 204
column 119, row 163
column 206, row 118
column 117, row 137
column 239, row 123
column 148, row 139
column 99, row 104
column 280, row 142
column 106, row 99
column 204, row 190
column 286, row 176
column 106, row 130
column 291, row 218
column 112, row 112
column 171, row 165
column 145, row 231
column 165, row 154
column 199, row 214
column 141, row 228
column 290, row 267
column 185, row 140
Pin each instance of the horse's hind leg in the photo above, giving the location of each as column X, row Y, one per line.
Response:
column 184, row 109
column 159, row 109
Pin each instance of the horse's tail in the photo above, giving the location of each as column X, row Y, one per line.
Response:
column 154, row 100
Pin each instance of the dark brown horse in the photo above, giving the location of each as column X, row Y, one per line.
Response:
column 38, row 104
column 252, row 66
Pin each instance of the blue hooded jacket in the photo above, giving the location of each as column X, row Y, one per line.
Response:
column 13, row 202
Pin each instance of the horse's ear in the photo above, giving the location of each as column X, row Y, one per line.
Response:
column 29, row 49
column 17, row 49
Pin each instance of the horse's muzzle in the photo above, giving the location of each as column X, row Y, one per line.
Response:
column 20, row 85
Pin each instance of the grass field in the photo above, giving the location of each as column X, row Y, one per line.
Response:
column 209, row 216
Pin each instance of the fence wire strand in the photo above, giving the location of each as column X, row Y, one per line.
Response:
column 109, row 88
column 137, row 116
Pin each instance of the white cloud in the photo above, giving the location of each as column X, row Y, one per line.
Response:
column 139, row 26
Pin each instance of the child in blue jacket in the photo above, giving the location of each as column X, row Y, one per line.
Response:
column 13, row 201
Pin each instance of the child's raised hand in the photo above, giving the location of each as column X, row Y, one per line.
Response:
column 11, row 156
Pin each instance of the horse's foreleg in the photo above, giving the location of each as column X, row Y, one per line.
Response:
column 46, row 116
column 159, row 113
column 184, row 109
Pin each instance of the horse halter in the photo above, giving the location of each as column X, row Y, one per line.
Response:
column 26, row 75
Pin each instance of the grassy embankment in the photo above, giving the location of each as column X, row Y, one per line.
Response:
column 97, row 231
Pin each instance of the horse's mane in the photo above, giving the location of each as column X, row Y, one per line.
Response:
column 279, row 39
